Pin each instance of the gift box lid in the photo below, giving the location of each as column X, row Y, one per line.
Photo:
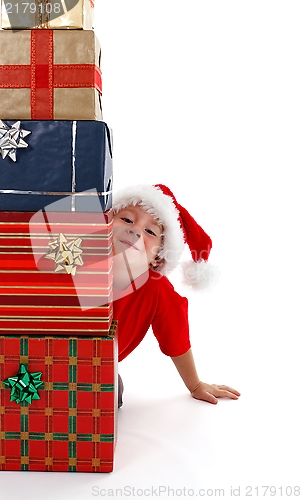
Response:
column 67, row 164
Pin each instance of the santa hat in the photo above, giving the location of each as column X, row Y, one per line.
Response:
column 179, row 228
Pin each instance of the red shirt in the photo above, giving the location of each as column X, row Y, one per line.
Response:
column 154, row 304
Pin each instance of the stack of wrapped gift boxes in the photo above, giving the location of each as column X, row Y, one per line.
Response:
column 57, row 332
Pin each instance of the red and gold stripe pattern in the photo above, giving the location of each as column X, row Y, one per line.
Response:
column 36, row 300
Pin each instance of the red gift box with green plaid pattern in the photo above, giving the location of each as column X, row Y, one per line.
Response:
column 60, row 413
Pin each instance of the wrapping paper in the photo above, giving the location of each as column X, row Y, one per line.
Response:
column 48, row 14
column 71, row 158
column 36, row 298
column 72, row 427
column 43, row 73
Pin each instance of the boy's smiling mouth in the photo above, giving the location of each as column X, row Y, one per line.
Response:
column 129, row 244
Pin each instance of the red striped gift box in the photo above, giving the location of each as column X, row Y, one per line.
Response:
column 38, row 296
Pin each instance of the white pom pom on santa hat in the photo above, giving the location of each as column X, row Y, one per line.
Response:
column 199, row 275
column 179, row 228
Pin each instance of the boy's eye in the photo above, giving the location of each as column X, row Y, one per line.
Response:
column 125, row 219
column 150, row 232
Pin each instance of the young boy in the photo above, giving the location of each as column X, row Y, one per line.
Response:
column 150, row 230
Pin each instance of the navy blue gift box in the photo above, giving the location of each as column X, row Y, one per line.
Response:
column 64, row 163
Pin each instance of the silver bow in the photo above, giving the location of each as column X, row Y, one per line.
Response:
column 67, row 255
column 11, row 138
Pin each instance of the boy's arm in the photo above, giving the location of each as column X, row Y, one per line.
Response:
column 199, row 390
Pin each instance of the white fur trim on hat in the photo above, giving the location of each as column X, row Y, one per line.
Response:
column 159, row 205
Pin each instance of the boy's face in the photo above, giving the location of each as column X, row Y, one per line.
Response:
column 136, row 233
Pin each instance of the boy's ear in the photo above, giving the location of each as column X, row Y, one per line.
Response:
column 155, row 262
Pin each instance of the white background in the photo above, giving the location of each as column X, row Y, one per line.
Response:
column 205, row 97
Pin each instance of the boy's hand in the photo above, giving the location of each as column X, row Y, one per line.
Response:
column 206, row 392
column 210, row 392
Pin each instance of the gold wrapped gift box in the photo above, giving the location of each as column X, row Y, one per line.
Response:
column 50, row 75
column 49, row 14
